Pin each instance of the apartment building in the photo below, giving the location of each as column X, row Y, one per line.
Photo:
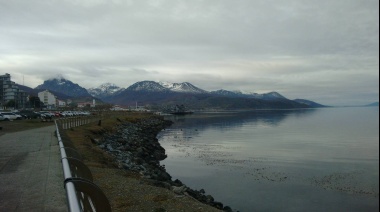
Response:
column 48, row 98
column 10, row 94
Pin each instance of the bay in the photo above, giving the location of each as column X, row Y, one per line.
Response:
column 281, row 160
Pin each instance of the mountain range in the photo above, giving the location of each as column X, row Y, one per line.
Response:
column 159, row 95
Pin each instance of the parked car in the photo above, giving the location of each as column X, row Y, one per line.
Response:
column 29, row 114
column 45, row 115
column 8, row 116
column 67, row 113
column 2, row 118
column 18, row 116
column 58, row 114
column 21, row 115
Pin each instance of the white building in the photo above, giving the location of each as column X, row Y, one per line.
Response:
column 48, row 98
column 61, row 103
column 87, row 104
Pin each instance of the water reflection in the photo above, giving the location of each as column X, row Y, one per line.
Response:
column 319, row 160
column 237, row 119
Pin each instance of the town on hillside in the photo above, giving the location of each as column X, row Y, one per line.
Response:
column 12, row 97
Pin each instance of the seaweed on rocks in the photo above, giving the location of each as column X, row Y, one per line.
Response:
column 135, row 147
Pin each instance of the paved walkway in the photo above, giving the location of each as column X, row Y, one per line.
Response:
column 31, row 176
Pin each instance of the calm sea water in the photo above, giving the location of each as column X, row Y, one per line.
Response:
column 285, row 160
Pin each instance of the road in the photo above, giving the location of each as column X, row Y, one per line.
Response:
column 31, row 176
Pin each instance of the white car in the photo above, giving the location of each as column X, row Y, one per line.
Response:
column 18, row 116
column 8, row 116
column 67, row 113
column 2, row 118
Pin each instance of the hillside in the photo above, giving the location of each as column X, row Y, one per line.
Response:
column 65, row 87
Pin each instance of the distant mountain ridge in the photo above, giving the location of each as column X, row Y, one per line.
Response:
column 374, row 104
column 308, row 102
column 267, row 96
column 184, row 87
column 158, row 95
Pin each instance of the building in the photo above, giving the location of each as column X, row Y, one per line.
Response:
column 117, row 108
column 48, row 98
column 87, row 104
column 61, row 103
column 10, row 94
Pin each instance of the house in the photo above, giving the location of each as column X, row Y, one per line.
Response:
column 61, row 103
column 87, row 104
column 84, row 104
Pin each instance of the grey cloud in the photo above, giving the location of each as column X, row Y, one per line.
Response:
column 256, row 45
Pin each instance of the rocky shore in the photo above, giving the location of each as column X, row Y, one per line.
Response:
column 135, row 147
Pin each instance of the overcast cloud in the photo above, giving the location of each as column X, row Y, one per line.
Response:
column 322, row 50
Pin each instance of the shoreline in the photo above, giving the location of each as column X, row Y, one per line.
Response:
column 135, row 147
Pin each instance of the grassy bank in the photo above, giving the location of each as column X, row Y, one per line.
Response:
column 126, row 190
column 21, row 125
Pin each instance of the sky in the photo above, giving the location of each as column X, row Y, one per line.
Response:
column 321, row 50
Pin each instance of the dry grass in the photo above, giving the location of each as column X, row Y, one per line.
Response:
column 21, row 125
column 124, row 189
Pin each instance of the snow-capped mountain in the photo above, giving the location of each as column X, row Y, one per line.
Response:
column 64, row 86
column 149, row 86
column 152, row 86
column 267, row 96
column 264, row 96
column 104, row 90
column 184, row 87
column 227, row 93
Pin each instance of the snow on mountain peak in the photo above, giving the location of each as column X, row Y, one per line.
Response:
column 184, row 87
column 59, row 79
column 109, row 87
column 104, row 89
column 147, row 86
column 166, row 84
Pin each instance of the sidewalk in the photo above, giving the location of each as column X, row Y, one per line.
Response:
column 31, row 177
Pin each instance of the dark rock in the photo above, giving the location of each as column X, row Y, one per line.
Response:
column 121, row 141
column 227, row 209
column 209, row 199
column 94, row 140
column 177, row 182
column 179, row 190
column 217, row 205
column 135, row 147
column 164, row 176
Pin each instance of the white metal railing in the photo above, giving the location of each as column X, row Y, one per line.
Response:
column 71, row 122
column 72, row 200
column 90, row 198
